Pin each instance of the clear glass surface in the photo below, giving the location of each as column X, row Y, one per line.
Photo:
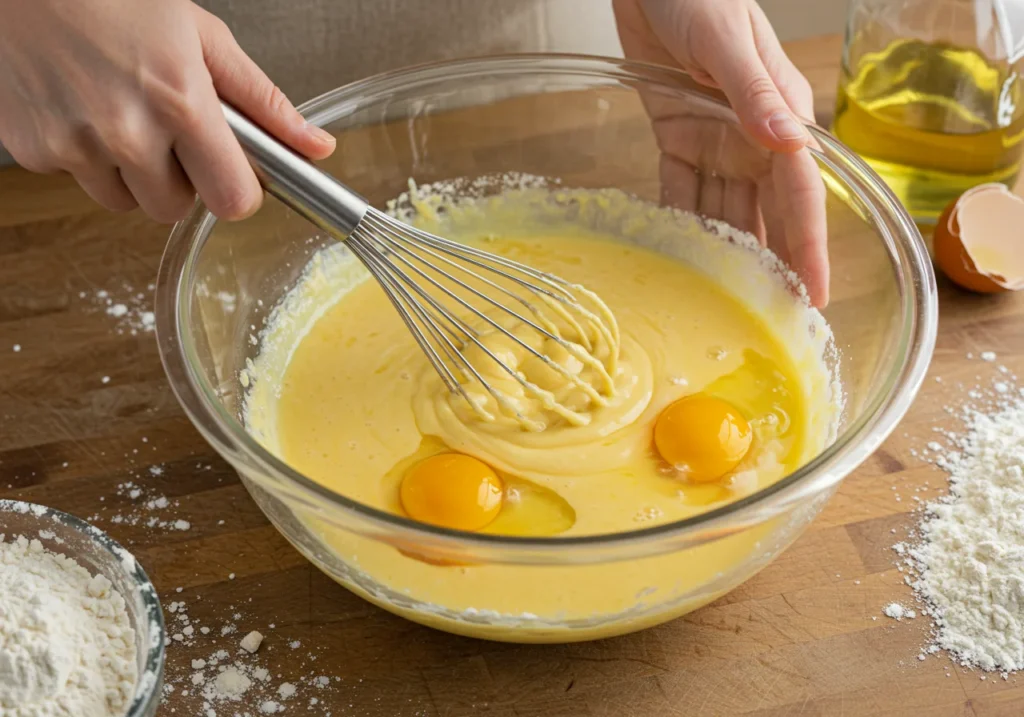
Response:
column 587, row 122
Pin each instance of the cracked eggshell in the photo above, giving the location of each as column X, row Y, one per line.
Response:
column 979, row 240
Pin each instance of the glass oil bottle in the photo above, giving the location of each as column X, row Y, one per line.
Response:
column 930, row 95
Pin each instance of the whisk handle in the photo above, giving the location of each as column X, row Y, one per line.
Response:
column 296, row 181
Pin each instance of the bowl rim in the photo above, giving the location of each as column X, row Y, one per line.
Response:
column 147, row 692
column 916, row 341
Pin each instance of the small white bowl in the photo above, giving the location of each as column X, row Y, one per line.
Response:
column 97, row 552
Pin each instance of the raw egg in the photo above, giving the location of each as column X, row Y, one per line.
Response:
column 703, row 437
column 452, row 490
column 978, row 242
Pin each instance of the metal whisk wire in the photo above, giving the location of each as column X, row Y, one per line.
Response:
column 403, row 259
column 446, row 292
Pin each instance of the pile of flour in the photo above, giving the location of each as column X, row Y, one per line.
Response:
column 969, row 554
column 66, row 644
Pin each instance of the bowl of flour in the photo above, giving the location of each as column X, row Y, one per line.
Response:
column 81, row 629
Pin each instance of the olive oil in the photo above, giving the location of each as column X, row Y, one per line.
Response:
column 933, row 120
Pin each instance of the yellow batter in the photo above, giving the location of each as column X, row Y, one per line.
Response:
column 343, row 394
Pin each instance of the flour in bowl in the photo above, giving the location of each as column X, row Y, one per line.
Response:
column 66, row 644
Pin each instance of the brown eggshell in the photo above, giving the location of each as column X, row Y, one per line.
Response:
column 993, row 215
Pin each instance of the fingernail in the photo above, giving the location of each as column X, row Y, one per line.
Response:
column 321, row 135
column 785, row 128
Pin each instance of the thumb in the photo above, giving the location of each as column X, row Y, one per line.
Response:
column 755, row 98
column 239, row 81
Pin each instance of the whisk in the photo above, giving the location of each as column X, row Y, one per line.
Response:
column 465, row 307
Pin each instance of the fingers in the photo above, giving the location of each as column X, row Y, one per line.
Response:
column 143, row 164
column 800, row 192
column 57, row 149
column 734, row 201
column 800, row 189
column 105, row 186
column 636, row 34
column 215, row 164
column 28, row 159
column 794, row 87
column 680, row 185
column 772, row 217
column 209, row 152
column 730, row 44
column 129, row 105
column 791, row 83
column 712, row 196
column 739, row 208
column 241, row 83
column 760, row 106
column 160, row 186
column 127, row 160
column 710, row 144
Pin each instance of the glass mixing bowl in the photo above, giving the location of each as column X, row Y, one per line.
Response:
column 587, row 122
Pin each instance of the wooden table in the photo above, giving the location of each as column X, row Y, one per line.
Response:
column 85, row 409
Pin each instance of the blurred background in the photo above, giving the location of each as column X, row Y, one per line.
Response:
column 802, row 18
column 283, row 36
column 311, row 46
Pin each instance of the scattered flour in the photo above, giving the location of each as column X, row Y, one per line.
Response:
column 130, row 308
column 66, row 644
column 967, row 565
column 145, row 509
column 231, row 679
column 232, row 683
column 898, row 612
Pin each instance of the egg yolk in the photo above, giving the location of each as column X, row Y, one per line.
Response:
column 703, row 437
column 453, row 491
